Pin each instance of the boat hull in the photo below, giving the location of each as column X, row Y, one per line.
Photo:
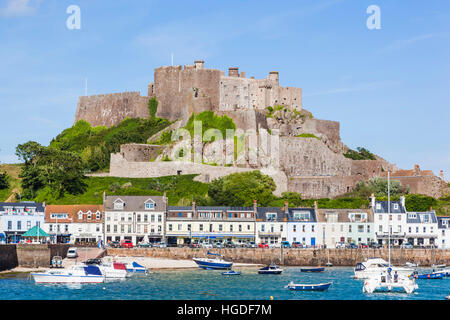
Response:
column 366, row 274
column 270, row 271
column 56, row 278
column 429, row 276
column 233, row 273
column 309, row 287
column 204, row 264
column 321, row 269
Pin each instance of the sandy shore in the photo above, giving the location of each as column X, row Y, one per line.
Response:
column 157, row 263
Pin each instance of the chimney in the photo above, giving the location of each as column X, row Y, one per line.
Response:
column 199, row 64
column 315, row 205
column 233, row 72
column 431, row 208
column 441, row 175
column 165, row 197
column 416, row 170
column 44, row 204
column 286, row 207
column 242, row 74
column 255, row 206
column 372, row 200
column 402, row 200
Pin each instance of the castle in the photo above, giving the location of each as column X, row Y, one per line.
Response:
column 311, row 153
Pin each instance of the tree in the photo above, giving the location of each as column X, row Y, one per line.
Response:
column 152, row 107
column 4, row 181
column 379, row 187
column 240, row 189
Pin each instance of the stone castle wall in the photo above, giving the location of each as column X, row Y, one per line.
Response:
column 111, row 109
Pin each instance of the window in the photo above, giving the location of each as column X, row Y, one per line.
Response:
column 302, row 216
column 412, row 216
column 153, row 217
column 380, row 217
column 242, row 215
column 349, row 228
column 417, row 229
column 19, row 225
column 240, row 228
column 424, row 229
column 130, row 218
column 220, row 227
column 368, row 229
column 360, row 228
column 50, row 228
column 145, row 217
column 159, row 218
column 312, row 228
column 80, row 215
column 271, row 216
column 426, row 218
column 200, row 227
column 150, row 205
column 248, row 227
column 409, row 230
column 294, row 228
column 89, row 216
column 97, row 216
column 249, row 215
column 390, row 217
column 303, row 228
column 399, row 217
column 281, row 228
column 399, row 229
column 10, row 225
column 231, row 227
column 395, row 206
column 159, row 229
column 170, row 227
column 108, row 228
column 122, row 228
column 129, row 228
column 189, row 227
column 118, row 204
column 115, row 228
column 378, row 206
column 380, row 228
column 179, row 227
column 138, row 217
column 262, row 228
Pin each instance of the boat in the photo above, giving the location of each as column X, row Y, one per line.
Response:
column 309, row 287
column 432, row 275
column 444, row 270
column 75, row 274
column 447, row 297
column 374, row 266
column 380, row 275
column 213, row 263
column 328, row 264
column 313, row 269
column 56, row 262
column 111, row 270
column 411, row 265
column 231, row 273
column 385, row 282
column 438, row 266
column 135, row 268
column 270, row 269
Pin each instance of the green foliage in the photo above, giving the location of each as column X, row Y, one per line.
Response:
column 240, row 189
column 307, row 135
column 95, row 145
column 361, row 154
column 164, row 139
column 419, row 203
column 210, row 121
column 166, row 158
column 60, row 171
column 152, row 107
column 379, row 187
column 4, row 181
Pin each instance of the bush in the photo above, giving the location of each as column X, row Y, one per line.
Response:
column 210, row 121
column 4, row 181
column 152, row 107
column 361, row 154
column 307, row 135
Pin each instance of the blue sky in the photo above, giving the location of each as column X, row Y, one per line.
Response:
column 388, row 88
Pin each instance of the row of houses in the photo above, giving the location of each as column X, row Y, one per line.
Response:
column 151, row 219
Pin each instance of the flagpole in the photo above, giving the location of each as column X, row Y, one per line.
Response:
column 389, row 217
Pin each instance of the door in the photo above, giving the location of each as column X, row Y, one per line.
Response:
column 313, row 241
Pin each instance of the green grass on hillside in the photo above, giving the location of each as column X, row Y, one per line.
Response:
column 13, row 171
column 180, row 189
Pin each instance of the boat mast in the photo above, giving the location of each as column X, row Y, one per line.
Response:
column 389, row 218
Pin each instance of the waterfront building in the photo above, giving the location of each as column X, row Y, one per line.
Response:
column 74, row 223
column 17, row 218
column 303, row 227
column 207, row 224
column 422, row 228
column 135, row 218
column 396, row 219
column 344, row 226
column 271, row 225
column 443, row 234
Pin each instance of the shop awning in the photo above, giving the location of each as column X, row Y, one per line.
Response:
column 35, row 232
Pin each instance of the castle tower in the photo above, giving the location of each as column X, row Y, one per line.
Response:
column 233, row 72
column 199, row 64
column 274, row 76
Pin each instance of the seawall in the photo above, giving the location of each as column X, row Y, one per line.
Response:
column 296, row 257
column 29, row 255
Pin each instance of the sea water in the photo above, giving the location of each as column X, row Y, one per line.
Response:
column 201, row 284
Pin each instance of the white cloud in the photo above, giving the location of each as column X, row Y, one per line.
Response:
column 15, row 8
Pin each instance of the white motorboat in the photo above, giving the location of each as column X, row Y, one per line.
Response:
column 385, row 282
column 438, row 266
column 411, row 265
column 74, row 274
column 111, row 270
column 373, row 267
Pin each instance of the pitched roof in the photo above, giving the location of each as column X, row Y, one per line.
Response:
column 135, row 203
column 343, row 214
column 261, row 213
column 311, row 211
column 440, row 219
column 384, row 207
column 419, row 217
column 72, row 211
column 24, row 204
column 33, row 232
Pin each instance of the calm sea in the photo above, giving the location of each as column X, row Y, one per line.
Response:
column 211, row 285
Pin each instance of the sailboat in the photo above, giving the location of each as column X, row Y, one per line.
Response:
column 384, row 280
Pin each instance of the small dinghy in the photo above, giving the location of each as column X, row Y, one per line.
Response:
column 411, row 265
column 432, row 275
column 309, row 287
column 313, row 269
column 270, row 269
column 231, row 273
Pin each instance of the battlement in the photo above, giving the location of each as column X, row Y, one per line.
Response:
column 125, row 94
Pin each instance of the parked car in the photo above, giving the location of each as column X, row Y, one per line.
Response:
column 374, row 245
column 144, row 244
column 407, row 245
column 340, row 245
column 72, row 253
column 363, row 245
column 285, row 244
column 207, row 245
column 352, row 246
column 114, row 244
column 230, row 244
column 161, row 245
column 195, row 245
column 218, row 245
column 275, row 245
column 252, row 244
column 126, row 244
column 297, row 244
column 263, row 245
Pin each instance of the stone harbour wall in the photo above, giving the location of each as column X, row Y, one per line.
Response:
column 296, row 257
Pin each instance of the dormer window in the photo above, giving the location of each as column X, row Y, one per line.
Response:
column 412, row 216
column 149, row 204
column 302, row 216
column 80, row 215
column 89, row 215
column 426, row 218
column 119, row 204
column 378, row 206
column 271, row 216
column 395, row 206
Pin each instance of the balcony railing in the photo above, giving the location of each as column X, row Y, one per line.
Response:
column 269, row 234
